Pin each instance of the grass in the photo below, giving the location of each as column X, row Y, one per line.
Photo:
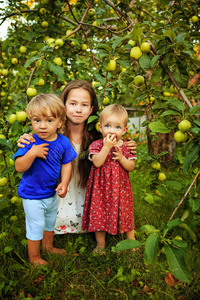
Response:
column 82, row 275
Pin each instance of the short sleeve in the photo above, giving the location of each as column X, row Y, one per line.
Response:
column 95, row 148
column 69, row 153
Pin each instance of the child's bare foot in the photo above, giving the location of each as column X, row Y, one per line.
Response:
column 39, row 262
column 99, row 250
column 56, row 251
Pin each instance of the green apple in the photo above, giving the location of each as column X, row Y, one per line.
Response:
column 21, row 116
column 138, row 80
column 145, row 47
column 161, row 177
column 97, row 126
column 57, row 61
column 191, row 73
column 2, row 136
column 3, row 181
column 50, row 42
column 14, row 200
column 45, row 24
column 180, row 136
column 31, row 91
column 106, row 101
column 73, row 43
column 194, row 19
column 9, row 97
column 158, row 193
column 14, row 60
column 95, row 23
column 91, row 11
column 155, row 165
column 59, row 42
column 84, row 47
column 136, row 53
column 166, row 94
column 173, row 89
column 12, row 118
column 132, row 43
column 68, row 32
column 43, row 11
column 3, row 94
column 5, row 72
column 111, row 66
column 38, row 63
column 11, row 162
column 41, row 82
column 184, row 126
column 13, row 218
column 22, row 49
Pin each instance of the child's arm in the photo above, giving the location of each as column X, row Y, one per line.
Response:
column 127, row 164
column 99, row 158
column 23, row 163
column 65, row 178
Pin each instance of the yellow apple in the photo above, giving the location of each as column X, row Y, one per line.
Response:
column 2, row 136
column 136, row 53
column 41, row 82
column 59, row 42
column 158, row 193
column 161, row 177
column 43, row 11
column 22, row 49
column 21, row 116
column 97, row 126
column 12, row 118
column 13, row 218
column 180, row 136
column 106, row 101
column 194, row 19
column 57, row 61
column 111, row 66
column 138, row 80
column 31, row 92
column 4, row 72
column 184, row 126
column 14, row 200
column 45, row 24
column 145, row 47
column 11, row 162
column 14, row 60
column 3, row 181
column 84, row 47
column 132, row 43
column 38, row 63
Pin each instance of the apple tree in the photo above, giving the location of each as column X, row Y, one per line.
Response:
column 142, row 54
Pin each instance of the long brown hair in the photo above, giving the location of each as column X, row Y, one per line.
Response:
column 88, row 137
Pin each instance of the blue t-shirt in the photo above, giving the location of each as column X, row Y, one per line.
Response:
column 40, row 180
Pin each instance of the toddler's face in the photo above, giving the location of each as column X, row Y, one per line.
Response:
column 113, row 125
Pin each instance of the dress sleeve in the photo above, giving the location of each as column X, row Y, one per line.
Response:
column 95, row 148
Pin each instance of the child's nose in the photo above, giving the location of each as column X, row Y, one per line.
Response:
column 43, row 124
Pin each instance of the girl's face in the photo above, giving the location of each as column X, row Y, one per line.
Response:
column 113, row 124
column 78, row 106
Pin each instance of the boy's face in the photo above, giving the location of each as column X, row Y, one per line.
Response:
column 113, row 125
column 46, row 126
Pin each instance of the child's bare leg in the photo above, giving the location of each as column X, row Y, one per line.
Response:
column 34, row 253
column 130, row 235
column 47, row 243
column 101, row 241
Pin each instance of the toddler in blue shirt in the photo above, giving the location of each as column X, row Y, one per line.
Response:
column 42, row 163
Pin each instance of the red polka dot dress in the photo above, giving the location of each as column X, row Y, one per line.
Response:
column 109, row 199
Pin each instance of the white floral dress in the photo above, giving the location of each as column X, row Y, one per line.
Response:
column 70, row 208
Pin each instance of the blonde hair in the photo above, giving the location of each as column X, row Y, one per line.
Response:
column 116, row 109
column 44, row 104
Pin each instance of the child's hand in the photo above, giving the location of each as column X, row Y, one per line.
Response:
column 110, row 140
column 40, row 150
column 61, row 190
column 131, row 145
column 118, row 154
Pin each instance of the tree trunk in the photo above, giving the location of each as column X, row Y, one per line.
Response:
column 160, row 142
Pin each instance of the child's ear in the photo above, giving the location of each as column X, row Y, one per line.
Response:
column 125, row 130
column 60, row 124
column 100, row 127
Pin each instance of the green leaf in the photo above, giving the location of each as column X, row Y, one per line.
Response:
column 147, row 229
column 7, row 170
column 190, row 231
column 29, row 35
column 157, row 75
column 175, row 222
column 6, row 143
column 103, row 46
column 3, row 204
column 117, row 42
column 158, row 127
column 91, row 119
column 144, row 61
column 181, row 75
column 151, row 246
column 170, row 33
column 126, row 244
column 194, row 108
column 181, row 37
column 149, row 198
column 57, row 70
column 154, row 60
column 170, row 112
column 175, row 184
column 179, row 243
column 194, row 204
column 16, row 129
column 177, row 104
column 177, row 265
column 191, row 156
column 32, row 59
column 7, row 249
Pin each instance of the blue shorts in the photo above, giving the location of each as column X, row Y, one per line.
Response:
column 40, row 216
